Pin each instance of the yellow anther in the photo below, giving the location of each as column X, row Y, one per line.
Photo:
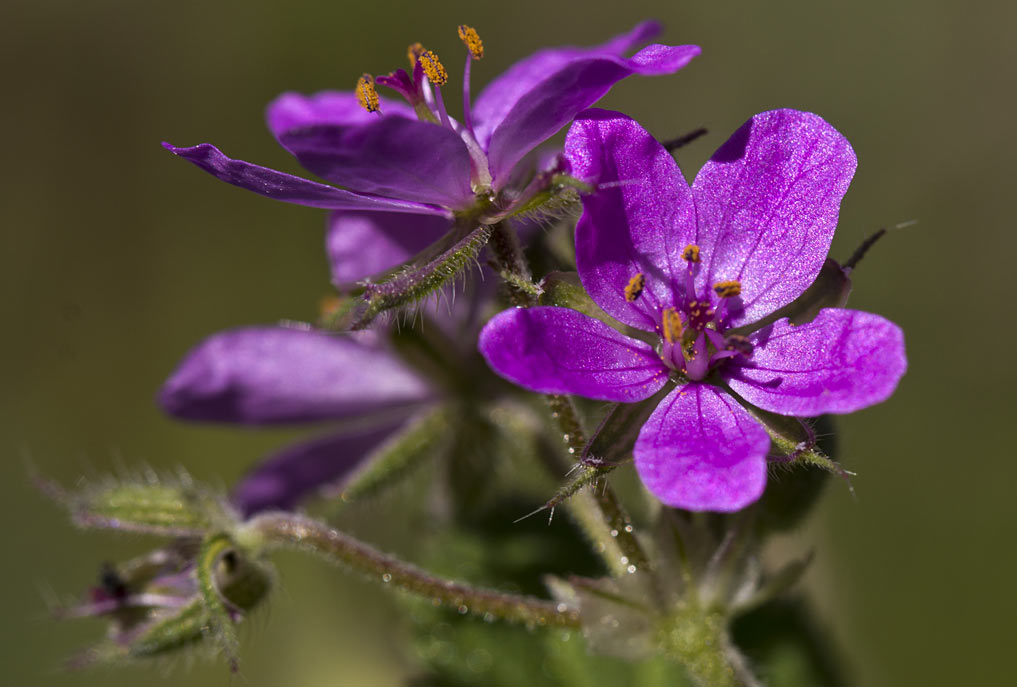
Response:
column 468, row 35
column 367, row 95
column 728, row 289
column 436, row 73
column 635, row 287
column 691, row 253
column 672, row 324
column 412, row 53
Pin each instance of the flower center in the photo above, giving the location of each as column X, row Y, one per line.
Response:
column 422, row 86
column 692, row 330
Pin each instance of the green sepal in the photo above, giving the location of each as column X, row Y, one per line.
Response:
column 173, row 506
column 424, row 439
column 800, row 467
column 432, row 269
column 565, row 290
column 559, row 194
column 831, row 289
column 610, row 446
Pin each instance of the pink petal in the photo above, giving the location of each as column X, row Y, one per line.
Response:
column 561, row 351
column 839, row 362
column 768, row 202
column 702, row 451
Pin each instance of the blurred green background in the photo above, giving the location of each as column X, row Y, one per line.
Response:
column 116, row 258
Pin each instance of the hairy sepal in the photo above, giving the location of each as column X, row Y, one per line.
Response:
column 423, row 276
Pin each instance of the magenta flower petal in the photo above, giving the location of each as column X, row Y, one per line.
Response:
column 702, row 451
column 362, row 244
column 768, row 202
column 638, row 221
column 291, row 189
column 561, row 351
column 294, row 111
column 267, row 375
column 538, row 96
column 841, row 361
column 283, row 480
column 389, row 156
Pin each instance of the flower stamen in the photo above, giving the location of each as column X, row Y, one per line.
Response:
column 671, row 323
column 728, row 289
column 433, row 68
column 468, row 35
column 691, row 253
column 635, row 287
column 367, row 94
column 413, row 53
column 438, row 77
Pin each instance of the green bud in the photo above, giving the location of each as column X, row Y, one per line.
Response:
column 167, row 506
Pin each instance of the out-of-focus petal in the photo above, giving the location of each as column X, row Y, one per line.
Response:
column 294, row 110
column 362, row 244
column 389, row 156
column 839, row 362
column 638, row 220
column 268, row 375
column 702, row 451
column 284, row 479
column 291, row 189
column 768, row 202
column 561, row 351
column 536, row 97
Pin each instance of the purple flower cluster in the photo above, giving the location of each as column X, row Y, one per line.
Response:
column 689, row 271
column 689, row 266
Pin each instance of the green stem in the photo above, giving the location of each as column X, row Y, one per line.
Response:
column 219, row 624
column 512, row 266
column 302, row 533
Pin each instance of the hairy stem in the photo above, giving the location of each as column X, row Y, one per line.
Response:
column 305, row 534
column 597, row 510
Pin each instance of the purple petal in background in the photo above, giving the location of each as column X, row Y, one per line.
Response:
column 362, row 244
column 288, row 188
column 284, row 479
column 768, row 202
column 839, row 362
column 293, row 111
column 638, row 221
column 388, row 156
column 702, row 451
column 561, row 351
column 535, row 98
column 267, row 375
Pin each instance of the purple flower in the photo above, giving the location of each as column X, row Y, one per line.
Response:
column 413, row 162
column 688, row 265
column 275, row 375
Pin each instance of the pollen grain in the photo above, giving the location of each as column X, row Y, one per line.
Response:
column 468, row 35
column 413, row 53
column 433, row 67
column 728, row 289
column 672, row 324
column 367, row 95
column 635, row 287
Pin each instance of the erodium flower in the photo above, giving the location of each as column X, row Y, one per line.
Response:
column 689, row 266
column 275, row 375
column 407, row 169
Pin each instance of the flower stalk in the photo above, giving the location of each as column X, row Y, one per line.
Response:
column 279, row 529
